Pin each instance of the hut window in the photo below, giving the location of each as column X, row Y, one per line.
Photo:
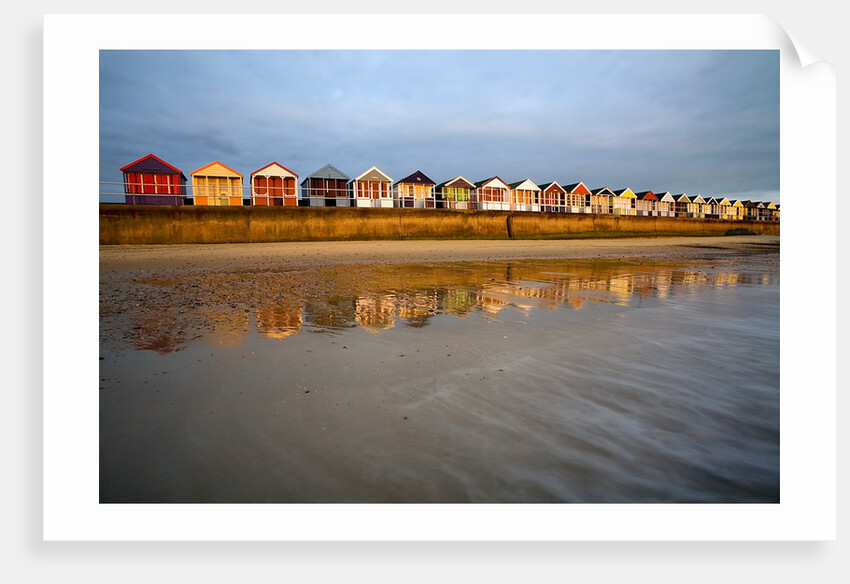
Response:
column 261, row 185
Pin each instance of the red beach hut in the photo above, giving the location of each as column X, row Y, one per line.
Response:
column 274, row 186
column 152, row 181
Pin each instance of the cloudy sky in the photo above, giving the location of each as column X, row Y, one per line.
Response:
column 702, row 122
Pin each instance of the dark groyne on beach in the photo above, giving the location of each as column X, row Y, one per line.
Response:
column 141, row 224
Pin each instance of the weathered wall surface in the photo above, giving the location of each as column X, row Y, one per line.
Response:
column 134, row 225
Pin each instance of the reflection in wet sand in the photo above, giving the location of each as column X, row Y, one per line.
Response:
column 379, row 297
column 491, row 381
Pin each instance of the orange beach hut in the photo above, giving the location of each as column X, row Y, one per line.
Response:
column 216, row 184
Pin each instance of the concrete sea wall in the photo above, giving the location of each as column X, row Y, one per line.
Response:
column 141, row 224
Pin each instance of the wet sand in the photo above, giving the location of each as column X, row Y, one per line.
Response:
column 198, row 404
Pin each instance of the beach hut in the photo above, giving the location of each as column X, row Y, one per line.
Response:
column 600, row 200
column 750, row 211
column 646, row 204
column 152, row 181
column 711, row 208
column 737, row 209
column 665, row 204
column 525, row 196
column 770, row 211
column 415, row 191
column 493, row 194
column 765, row 210
column 724, row 208
column 776, row 213
column 274, row 185
column 552, row 197
column 216, row 184
column 372, row 188
column 697, row 206
column 682, row 205
column 457, row 193
column 623, row 202
column 577, row 199
column 327, row 187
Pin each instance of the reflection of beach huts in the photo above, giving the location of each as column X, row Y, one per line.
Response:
column 375, row 313
column 494, row 194
column 280, row 321
column 457, row 193
column 525, row 196
column 415, row 191
column 646, row 204
column 372, row 188
column 577, row 198
column 623, row 202
column 327, row 187
column 216, row 184
column 152, row 181
column 600, row 200
column 274, row 185
column 552, row 197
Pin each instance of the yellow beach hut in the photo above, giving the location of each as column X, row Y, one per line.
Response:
column 216, row 184
column 737, row 210
column 623, row 203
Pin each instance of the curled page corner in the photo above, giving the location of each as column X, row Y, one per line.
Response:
column 805, row 56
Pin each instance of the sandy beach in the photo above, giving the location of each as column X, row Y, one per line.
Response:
column 121, row 258
column 440, row 371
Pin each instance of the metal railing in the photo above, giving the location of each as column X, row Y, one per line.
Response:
column 245, row 195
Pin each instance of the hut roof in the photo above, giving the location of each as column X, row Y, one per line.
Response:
column 646, row 196
column 328, row 171
column 487, row 181
column 215, row 163
column 286, row 171
column 548, row 185
column 417, row 177
column 152, row 163
column 457, row 182
column 572, row 188
column 374, row 174
column 526, row 184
